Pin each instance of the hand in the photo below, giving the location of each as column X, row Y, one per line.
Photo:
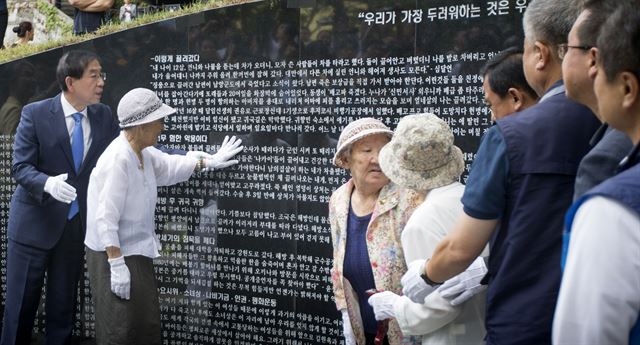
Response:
column 228, row 149
column 120, row 278
column 413, row 286
column 198, row 154
column 59, row 189
column 466, row 284
column 382, row 303
column 349, row 337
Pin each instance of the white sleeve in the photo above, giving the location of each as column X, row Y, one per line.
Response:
column 170, row 169
column 599, row 300
column 111, row 201
column 422, row 233
column 421, row 319
column 424, row 230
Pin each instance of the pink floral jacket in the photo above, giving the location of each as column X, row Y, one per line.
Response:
column 391, row 212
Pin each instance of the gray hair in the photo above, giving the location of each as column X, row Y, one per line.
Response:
column 346, row 152
column 550, row 21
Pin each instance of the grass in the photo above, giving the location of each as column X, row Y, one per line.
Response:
column 22, row 51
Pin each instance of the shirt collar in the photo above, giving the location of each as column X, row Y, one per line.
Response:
column 68, row 109
column 555, row 89
column 630, row 160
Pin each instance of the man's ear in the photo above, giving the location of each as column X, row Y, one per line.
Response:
column 593, row 56
column 543, row 54
column 69, row 82
column 516, row 97
column 631, row 88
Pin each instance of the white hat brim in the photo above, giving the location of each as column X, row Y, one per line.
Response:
column 337, row 161
column 159, row 113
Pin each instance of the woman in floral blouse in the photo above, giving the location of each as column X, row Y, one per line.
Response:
column 367, row 215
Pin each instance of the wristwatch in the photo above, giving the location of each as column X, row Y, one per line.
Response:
column 426, row 279
column 200, row 164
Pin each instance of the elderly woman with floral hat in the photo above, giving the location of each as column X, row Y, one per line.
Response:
column 422, row 157
column 367, row 215
column 120, row 239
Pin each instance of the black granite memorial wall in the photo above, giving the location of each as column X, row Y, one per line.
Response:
column 247, row 251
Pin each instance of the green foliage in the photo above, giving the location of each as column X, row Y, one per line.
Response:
column 68, row 38
column 53, row 21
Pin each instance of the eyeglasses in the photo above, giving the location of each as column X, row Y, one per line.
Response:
column 564, row 48
column 101, row 75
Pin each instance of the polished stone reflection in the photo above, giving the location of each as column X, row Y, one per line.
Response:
column 333, row 29
column 249, row 246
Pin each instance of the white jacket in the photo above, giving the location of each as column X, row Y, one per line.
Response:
column 437, row 320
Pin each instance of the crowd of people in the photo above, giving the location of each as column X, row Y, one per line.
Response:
column 541, row 244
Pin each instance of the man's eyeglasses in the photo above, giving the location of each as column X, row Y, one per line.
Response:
column 564, row 48
column 101, row 75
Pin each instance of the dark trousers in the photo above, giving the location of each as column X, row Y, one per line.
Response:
column 26, row 267
column 123, row 322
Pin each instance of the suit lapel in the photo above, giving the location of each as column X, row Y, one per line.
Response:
column 96, row 135
column 60, row 131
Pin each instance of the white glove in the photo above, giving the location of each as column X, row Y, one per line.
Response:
column 413, row 286
column 349, row 337
column 228, row 149
column 466, row 284
column 198, row 154
column 120, row 278
column 59, row 189
column 382, row 303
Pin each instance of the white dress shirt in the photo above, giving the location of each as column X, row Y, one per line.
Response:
column 121, row 199
column 437, row 320
column 599, row 296
column 69, row 110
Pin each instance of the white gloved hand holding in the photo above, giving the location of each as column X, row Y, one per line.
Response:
column 222, row 158
column 120, row 278
column 466, row 284
column 349, row 337
column 413, row 286
column 382, row 303
column 59, row 189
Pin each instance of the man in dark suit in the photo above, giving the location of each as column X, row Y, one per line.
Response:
column 57, row 144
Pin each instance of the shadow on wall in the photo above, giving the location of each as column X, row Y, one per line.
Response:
column 22, row 83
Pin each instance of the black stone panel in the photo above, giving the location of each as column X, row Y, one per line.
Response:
column 247, row 250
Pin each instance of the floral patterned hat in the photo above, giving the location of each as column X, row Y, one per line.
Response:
column 421, row 155
column 355, row 131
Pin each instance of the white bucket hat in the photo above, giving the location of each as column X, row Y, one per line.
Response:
column 355, row 131
column 421, row 155
column 140, row 106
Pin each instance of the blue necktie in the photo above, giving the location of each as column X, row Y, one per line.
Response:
column 77, row 150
